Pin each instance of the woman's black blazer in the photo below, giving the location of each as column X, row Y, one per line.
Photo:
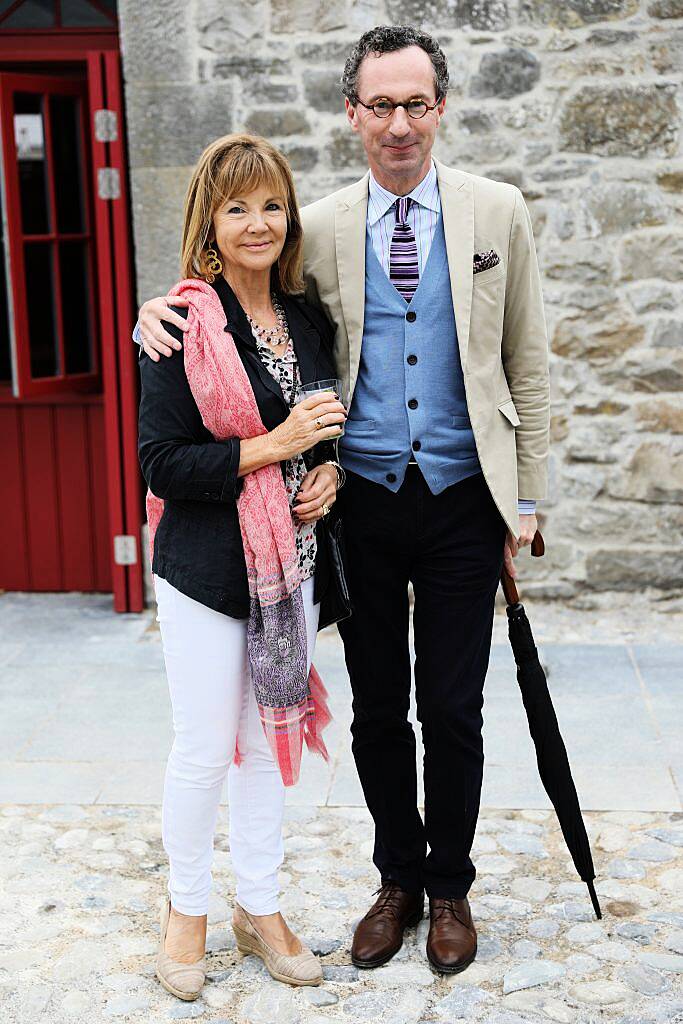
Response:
column 198, row 545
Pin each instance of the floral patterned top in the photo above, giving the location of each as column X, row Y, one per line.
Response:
column 285, row 370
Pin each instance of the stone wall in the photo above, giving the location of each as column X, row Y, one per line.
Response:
column 576, row 102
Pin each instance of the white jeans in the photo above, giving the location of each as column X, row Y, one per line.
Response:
column 213, row 707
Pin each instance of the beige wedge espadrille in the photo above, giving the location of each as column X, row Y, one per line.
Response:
column 182, row 980
column 302, row 969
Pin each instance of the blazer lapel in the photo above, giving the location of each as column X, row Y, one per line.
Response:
column 251, row 353
column 350, row 226
column 305, row 339
column 238, row 326
column 457, row 201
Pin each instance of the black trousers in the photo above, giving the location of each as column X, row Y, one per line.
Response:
column 450, row 546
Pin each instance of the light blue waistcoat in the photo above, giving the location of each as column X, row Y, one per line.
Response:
column 383, row 426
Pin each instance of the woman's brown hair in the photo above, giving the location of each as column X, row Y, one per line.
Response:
column 235, row 165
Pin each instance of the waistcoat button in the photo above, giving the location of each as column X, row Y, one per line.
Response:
column 391, row 478
column 412, row 404
column 417, row 445
column 411, row 316
column 412, row 360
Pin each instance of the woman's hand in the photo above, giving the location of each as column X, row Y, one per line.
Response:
column 527, row 530
column 317, row 418
column 318, row 488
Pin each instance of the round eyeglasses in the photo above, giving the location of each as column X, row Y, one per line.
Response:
column 413, row 108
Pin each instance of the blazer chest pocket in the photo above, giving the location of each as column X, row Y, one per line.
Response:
column 509, row 412
column 485, row 276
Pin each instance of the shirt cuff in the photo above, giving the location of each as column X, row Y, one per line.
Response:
column 136, row 334
column 526, row 507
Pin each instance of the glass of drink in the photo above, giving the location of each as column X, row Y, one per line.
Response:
column 319, row 387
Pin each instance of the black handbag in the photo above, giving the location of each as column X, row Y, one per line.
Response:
column 336, row 602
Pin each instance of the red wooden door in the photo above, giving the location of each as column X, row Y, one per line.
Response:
column 51, row 412
column 67, row 435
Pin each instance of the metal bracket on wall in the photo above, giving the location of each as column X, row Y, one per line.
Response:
column 125, row 549
column 106, row 125
column 108, row 183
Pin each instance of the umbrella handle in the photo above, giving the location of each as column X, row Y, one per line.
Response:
column 507, row 582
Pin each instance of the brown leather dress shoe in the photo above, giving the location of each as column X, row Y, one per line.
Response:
column 379, row 936
column 452, row 939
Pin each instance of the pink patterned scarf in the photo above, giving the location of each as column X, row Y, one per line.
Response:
column 292, row 701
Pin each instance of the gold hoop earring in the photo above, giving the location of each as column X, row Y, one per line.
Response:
column 214, row 264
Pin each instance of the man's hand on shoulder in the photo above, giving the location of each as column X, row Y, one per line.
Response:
column 154, row 337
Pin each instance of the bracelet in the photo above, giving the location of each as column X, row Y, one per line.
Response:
column 341, row 472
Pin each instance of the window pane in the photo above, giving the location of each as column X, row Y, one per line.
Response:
column 40, row 301
column 29, row 136
column 76, row 292
column 81, row 13
column 66, row 155
column 32, row 14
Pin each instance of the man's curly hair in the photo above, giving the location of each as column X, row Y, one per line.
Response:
column 386, row 39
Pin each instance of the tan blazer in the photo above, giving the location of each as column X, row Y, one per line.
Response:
column 498, row 313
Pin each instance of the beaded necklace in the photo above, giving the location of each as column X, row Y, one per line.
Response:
column 280, row 331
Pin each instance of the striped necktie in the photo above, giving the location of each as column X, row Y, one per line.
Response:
column 404, row 271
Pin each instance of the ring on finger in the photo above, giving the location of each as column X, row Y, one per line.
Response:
column 319, row 422
column 325, row 509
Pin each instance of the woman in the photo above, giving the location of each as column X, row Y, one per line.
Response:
column 240, row 475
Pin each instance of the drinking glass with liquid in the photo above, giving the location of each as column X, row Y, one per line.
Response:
column 319, row 387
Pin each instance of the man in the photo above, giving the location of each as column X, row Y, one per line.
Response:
column 430, row 276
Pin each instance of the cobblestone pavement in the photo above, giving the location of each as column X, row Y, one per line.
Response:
column 81, row 887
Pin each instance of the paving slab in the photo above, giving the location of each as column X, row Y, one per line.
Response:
column 661, row 668
column 85, row 688
column 589, row 670
column 132, row 783
column 50, row 782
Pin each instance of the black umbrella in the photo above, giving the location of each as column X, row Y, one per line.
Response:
column 551, row 753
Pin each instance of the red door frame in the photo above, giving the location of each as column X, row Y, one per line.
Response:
column 99, row 51
column 116, row 317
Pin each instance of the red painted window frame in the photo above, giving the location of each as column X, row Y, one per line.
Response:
column 25, row 384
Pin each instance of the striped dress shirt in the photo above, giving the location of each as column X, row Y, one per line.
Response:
column 422, row 216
